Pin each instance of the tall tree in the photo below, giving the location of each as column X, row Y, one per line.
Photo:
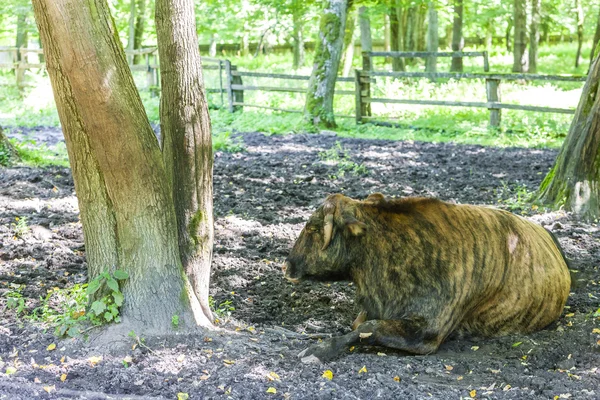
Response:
column 520, row 41
column 140, row 25
column 395, row 36
column 366, row 45
column 348, row 52
column 596, row 39
column 298, row 38
column 131, row 31
column 534, row 35
column 433, row 41
column 579, row 21
column 457, row 37
column 321, row 86
column 122, row 185
column 186, row 139
column 574, row 180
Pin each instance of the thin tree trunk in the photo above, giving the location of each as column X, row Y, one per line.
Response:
column 186, row 140
column 140, row 24
column 131, row 32
column 348, row 53
column 212, row 47
column 448, row 37
column 395, row 38
column 579, row 19
column 245, row 44
column 574, row 180
column 22, row 34
column 457, row 37
column 489, row 35
column 366, row 45
column 298, row 40
column 321, row 87
column 534, row 35
column 421, row 31
column 433, row 41
column 386, row 33
column 410, row 43
column 126, row 206
column 520, row 45
column 596, row 40
column 509, row 28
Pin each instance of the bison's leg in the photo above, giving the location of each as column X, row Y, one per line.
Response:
column 362, row 317
column 411, row 335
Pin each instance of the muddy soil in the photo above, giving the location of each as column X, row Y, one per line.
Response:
column 263, row 196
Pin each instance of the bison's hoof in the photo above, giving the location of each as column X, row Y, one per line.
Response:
column 317, row 353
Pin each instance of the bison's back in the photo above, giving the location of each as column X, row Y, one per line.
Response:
column 519, row 280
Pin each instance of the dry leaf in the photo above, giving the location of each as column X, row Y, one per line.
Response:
column 181, row 358
column 51, row 347
column 596, row 330
column 10, row 370
column 49, row 388
column 94, row 360
column 363, row 369
column 229, row 362
column 473, row 393
column 505, row 388
column 328, row 374
column 495, row 371
column 365, row 335
column 460, row 378
column 204, row 377
column 62, row 359
column 381, row 354
column 474, row 348
column 448, row 367
column 352, row 348
column 63, row 377
column 183, row 396
column 569, row 315
column 272, row 390
column 272, row 376
column 36, row 380
column 128, row 359
column 397, row 379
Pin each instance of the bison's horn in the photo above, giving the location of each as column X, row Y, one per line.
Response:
column 328, row 228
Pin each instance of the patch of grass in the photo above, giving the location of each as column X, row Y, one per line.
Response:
column 222, row 141
column 20, row 227
column 340, row 157
column 515, row 197
column 41, row 155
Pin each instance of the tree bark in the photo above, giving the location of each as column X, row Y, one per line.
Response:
column 8, row 153
column 321, row 86
column 125, row 203
column 579, row 20
column 410, row 34
column 433, row 41
column 395, row 38
column 140, row 25
column 348, row 53
column 596, row 40
column 520, row 42
column 574, row 180
column 298, row 38
column 186, row 140
column 421, row 31
column 457, row 38
column 534, row 35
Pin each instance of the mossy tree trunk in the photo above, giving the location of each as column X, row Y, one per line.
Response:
column 457, row 37
column 574, row 180
column 125, row 201
column 321, row 86
column 534, row 35
column 186, row 139
column 520, row 38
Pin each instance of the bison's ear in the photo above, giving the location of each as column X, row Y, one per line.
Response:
column 375, row 198
column 355, row 227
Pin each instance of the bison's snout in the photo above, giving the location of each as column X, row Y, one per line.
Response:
column 286, row 267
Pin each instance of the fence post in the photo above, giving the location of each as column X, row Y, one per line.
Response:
column 229, row 82
column 366, row 86
column 358, row 96
column 486, row 62
column 149, row 73
column 492, row 90
column 20, row 66
column 238, row 95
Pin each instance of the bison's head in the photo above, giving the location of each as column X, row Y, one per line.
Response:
column 327, row 245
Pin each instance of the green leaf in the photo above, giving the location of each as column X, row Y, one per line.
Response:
column 93, row 286
column 62, row 330
column 120, row 274
column 73, row 331
column 517, row 344
column 98, row 307
column 108, row 316
column 113, row 285
column 118, row 296
column 105, row 275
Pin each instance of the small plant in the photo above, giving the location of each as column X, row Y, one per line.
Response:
column 15, row 300
column 175, row 321
column 339, row 156
column 223, row 310
column 106, row 309
column 20, row 227
column 222, row 141
column 515, row 198
column 63, row 310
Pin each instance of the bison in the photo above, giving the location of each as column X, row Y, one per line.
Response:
column 424, row 268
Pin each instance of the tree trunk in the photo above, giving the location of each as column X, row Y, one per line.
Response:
column 410, row 34
column 125, row 202
column 534, row 35
column 433, row 40
column 348, row 53
column 457, row 38
column 386, row 33
column 579, row 20
column 395, row 38
column 298, row 40
column 574, row 180
column 140, row 24
column 245, row 44
column 186, row 139
column 509, row 28
column 489, row 35
column 421, row 31
column 366, row 45
column 596, row 40
column 520, row 45
column 8, row 153
column 212, row 47
column 321, row 87
column 22, row 34
column 448, row 38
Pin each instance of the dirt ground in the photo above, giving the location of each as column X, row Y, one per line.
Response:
column 263, row 196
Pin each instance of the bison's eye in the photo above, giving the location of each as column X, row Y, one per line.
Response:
column 312, row 228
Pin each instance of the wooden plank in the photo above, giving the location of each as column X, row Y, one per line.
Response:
column 229, row 81
column 267, row 75
column 148, row 50
column 268, row 88
column 423, row 54
column 492, row 91
column 267, row 107
column 475, row 75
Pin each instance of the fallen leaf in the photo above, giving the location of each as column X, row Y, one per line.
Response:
column 51, row 347
column 352, row 348
column 381, row 354
column 181, row 358
column 596, row 330
column 62, row 359
column 272, row 376
column 517, row 344
column 448, row 367
column 182, row 396
column 460, row 378
column 49, row 388
column 569, row 315
column 36, row 380
column 363, row 369
column 63, row 377
column 397, row 379
column 473, row 393
column 204, row 377
column 128, row 359
column 328, row 374
column 95, row 360
column 365, row 335
column 10, row 370
column 474, row 348
column 495, row 371
column 505, row 388
column 272, row 390
column 229, row 362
